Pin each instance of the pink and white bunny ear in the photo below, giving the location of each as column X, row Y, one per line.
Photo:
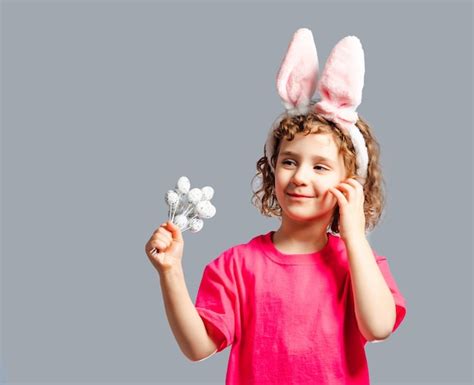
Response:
column 340, row 89
column 298, row 73
column 296, row 80
column 342, row 81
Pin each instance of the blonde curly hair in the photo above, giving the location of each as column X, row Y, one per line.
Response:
column 264, row 197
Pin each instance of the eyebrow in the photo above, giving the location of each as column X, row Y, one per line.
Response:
column 319, row 157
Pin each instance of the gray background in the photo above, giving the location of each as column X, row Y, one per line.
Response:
column 105, row 104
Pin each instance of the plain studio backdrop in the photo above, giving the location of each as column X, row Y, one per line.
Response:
column 105, row 104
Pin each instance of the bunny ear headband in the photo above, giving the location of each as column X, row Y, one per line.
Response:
column 340, row 89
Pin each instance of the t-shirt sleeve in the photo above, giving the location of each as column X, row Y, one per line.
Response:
column 400, row 306
column 216, row 301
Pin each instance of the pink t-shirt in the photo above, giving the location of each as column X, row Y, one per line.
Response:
column 289, row 318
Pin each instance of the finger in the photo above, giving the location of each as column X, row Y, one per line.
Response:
column 166, row 233
column 175, row 231
column 345, row 187
column 340, row 196
column 164, row 239
column 359, row 189
column 161, row 246
column 163, row 225
column 356, row 184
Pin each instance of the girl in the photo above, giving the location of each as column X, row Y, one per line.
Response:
column 298, row 304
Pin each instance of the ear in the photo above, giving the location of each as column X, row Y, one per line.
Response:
column 340, row 89
column 298, row 74
column 342, row 80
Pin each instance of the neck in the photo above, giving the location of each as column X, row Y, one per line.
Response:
column 301, row 236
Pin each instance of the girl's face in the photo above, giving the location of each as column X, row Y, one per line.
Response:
column 308, row 165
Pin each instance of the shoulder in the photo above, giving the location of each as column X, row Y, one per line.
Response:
column 339, row 249
column 237, row 253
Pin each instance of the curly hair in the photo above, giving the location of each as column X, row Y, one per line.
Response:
column 264, row 198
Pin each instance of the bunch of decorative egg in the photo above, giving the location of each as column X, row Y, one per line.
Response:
column 187, row 207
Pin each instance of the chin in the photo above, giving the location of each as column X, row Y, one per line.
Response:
column 301, row 215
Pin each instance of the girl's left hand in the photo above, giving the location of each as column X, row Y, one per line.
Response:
column 351, row 208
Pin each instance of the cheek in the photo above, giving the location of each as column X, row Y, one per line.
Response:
column 279, row 190
column 280, row 182
column 324, row 187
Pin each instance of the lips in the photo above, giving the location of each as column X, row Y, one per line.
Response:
column 299, row 195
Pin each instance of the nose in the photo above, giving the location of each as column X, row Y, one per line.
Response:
column 301, row 175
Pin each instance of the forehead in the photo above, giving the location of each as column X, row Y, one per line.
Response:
column 311, row 146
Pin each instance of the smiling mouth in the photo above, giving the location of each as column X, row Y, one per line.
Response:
column 299, row 196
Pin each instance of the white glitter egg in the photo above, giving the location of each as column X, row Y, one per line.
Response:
column 211, row 211
column 195, row 225
column 183, row 185
column 194, row 195
column 205, row 209
column 201, row 208
column 171, row 198
column 207, row 213
column 181, row 221
column 207, row 193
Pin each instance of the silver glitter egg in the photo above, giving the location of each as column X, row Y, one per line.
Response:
column 195, row 225
column 183, row 185
column 203, row 209
column 211, row 211
column 181, row 221
column 207, row 193
column 194, row 195
column 171, row 198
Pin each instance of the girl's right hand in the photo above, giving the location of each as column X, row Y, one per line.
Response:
column 165, row 247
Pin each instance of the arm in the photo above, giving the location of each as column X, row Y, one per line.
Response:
column 374, row 302
column 185, row 322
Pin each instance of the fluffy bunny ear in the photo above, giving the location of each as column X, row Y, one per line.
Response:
column 342, row 81
column 298, row 73
column 340, row 89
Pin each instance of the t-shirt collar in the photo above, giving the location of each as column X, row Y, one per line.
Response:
column 297, row 259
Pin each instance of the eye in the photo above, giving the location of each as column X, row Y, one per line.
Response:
column 321, row 168
column 289, row 162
